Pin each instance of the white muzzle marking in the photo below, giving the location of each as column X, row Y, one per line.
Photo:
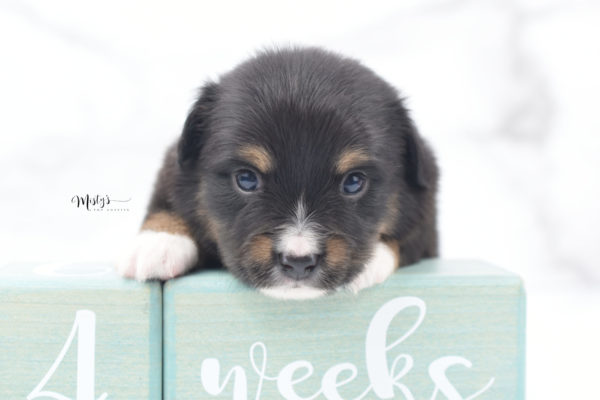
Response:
column 300, row 238
column 298, row 244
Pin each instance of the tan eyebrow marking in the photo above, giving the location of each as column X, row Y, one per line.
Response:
column 257, row 156
column 349, row 159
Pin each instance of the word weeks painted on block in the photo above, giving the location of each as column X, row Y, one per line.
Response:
column 384, row 381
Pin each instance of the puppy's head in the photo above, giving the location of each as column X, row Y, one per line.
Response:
column 302, row 160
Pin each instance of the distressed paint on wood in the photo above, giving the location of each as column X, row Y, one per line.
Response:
column 38, row 305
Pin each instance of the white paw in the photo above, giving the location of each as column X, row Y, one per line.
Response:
column 381, row 265
column 158, row 255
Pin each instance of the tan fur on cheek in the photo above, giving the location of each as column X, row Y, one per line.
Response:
column 261, row 249
column 211, row 225
column 212, row 228
column 394, row 245
column 391, row 216
column 386, row 229
column 350, row 159
column 257, row 156
column 166, row 222
column 337, row 252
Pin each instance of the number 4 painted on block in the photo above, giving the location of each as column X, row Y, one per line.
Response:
column 85, row 325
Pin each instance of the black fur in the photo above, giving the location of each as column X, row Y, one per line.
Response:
column 304, row 106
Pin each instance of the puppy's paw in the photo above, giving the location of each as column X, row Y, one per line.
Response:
column 382, row 264
column 158, row 255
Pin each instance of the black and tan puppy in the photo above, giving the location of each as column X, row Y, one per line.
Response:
column 301, row 172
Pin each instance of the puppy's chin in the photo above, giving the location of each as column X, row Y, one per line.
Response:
column 293, row 292
column 285, row 288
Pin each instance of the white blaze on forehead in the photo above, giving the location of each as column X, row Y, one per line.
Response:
column 300, row 211
column 299, row 239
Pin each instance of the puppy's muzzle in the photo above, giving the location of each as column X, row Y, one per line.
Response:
column 299, row 268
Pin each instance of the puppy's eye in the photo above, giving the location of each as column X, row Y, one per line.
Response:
column 354, row 183
column 246, row 180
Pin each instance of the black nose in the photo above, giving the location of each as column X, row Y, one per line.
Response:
column 299, row 267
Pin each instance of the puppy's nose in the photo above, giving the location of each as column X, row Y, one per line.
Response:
column 298, row 267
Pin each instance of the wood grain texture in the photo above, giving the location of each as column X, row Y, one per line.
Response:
column 38, row 305
column 473, row 310
column 470, row 310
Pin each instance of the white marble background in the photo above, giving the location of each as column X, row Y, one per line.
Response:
column 506, row 91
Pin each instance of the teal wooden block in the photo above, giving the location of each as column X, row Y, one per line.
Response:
column 435, row 330
column 78, row 332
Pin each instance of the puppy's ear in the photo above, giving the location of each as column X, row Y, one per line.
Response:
column 420, row 165
column 195, row 126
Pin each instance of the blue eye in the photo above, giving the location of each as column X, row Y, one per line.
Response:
column 246, row 180
column 354, row 183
